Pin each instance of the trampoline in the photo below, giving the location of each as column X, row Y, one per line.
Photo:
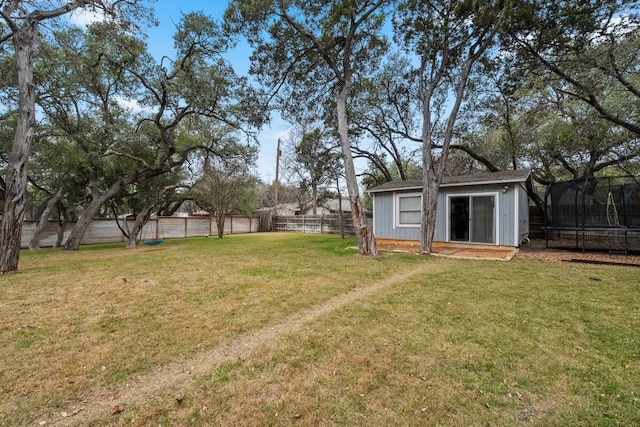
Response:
column 594, row 213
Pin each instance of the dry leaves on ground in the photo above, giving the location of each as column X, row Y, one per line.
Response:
column 536, row 250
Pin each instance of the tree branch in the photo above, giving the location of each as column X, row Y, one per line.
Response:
column 586, row 96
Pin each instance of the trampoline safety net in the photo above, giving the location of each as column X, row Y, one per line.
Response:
column 595, row 203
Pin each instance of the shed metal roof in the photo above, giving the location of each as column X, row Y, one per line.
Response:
column 502, row 177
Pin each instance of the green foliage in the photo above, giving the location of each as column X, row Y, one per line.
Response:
column 8, row 77
column 385, row 115
column 588, row 50
column 540, row 126
column 304, row 44
column 82, row 89
column 315, row 162
column 310, row 53
column 198, row 31
column 7, row 129
column 566, row 102
column 373, row 176
column 226, row 187
column 116, row 122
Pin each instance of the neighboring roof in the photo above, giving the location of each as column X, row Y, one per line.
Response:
column 503, row 177
column 334, row 204
column 292, row 206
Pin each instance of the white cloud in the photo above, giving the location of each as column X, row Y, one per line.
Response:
column 284, row 134
column 132, row 105
column 83, row 17
column 618, row 26
column 623, row 24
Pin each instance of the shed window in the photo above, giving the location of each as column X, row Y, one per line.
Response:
column 409, row 209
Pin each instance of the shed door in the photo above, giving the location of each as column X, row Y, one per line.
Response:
column 472, row 219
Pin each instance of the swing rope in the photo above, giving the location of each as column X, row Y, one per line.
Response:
column 612, row 211
column 155, row 241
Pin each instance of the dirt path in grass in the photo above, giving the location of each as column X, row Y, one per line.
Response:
column 177, row 377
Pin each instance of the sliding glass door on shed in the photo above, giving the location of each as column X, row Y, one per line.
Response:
column 472, row 219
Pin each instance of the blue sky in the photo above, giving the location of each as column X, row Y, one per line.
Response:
column 160, row 42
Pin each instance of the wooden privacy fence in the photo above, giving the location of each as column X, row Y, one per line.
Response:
column 107, row 231
column 329, row 224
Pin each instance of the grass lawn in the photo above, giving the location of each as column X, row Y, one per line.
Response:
column 95, row 337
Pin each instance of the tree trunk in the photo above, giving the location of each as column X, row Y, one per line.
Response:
column 26, row 45
column 432, row 173
column 364, row 235
column 61, row 228
column 141, row 220
column 314, row 200
column 429, row 178
column 537, row 200
column 98, row 199
column 429, row 209
column 430, row 184
column 340, row 209
column 44, row 219
column 77, row 233
column 220, row 224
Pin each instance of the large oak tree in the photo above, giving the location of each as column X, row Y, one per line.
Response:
column 199, row 83
column 22, row 21
column 588, row 50
column 312, row 52
column 449, row 37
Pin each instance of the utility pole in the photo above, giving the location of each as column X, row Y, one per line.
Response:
column 275, row 185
